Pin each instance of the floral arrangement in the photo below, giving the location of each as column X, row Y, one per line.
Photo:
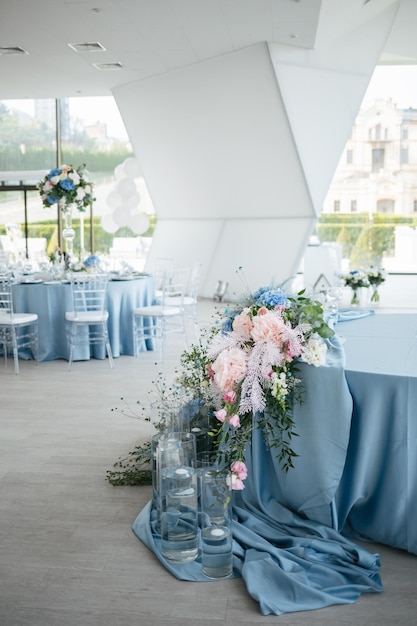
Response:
column 241, row 375
column 91, row 264
column 68, row 186
column 57, row 256
column 355, row 279
column 376, row 277
column 247, row 371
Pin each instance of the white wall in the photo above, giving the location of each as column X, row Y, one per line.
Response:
column 226, row 145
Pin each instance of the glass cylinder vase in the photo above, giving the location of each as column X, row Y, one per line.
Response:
column 68, row 233
column 178, row 504
column 375, row 294
column 355, row 296
column 216, row 523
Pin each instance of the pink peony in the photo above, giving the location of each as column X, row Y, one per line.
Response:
column 234, row 420
column 229, row 368
column 242, row 325
column 269, row 327
column 221, row 415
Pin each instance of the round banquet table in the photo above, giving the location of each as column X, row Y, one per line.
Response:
column 51, row 300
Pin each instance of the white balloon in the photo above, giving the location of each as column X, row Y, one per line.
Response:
column 108, row 224
column 119, row 171
column 132, row 167
column 121, row 215
column 126, row 188
column 113, row 200
column 133, row 201
column 139, row 223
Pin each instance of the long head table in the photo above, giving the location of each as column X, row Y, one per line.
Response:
column 51, row 300
column 356, row 475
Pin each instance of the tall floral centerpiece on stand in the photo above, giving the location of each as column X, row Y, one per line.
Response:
column 376, row 277
column 356, row 279
column 69, row 188
column 247, row 371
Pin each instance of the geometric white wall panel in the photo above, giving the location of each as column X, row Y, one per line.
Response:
column 263, row 247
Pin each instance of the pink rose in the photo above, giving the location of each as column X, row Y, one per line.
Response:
column 229, row 368
column 240, row 469
column 234, row 420
column 233, row 482
column 242, row 325
column 229, row 397
column 268, row 327
column 221, row 415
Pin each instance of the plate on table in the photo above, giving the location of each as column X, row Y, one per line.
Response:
column 124, row 277
column 31, row 281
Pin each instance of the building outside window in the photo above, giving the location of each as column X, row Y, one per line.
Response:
column 382, row 220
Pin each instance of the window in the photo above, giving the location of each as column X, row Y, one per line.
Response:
column 378, row 157
column 385, row 205
column 403, row 155
column 349, row 157
column 383, row 183
column 92, row 133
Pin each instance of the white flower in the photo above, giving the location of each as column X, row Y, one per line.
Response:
column 74, row 177
column 315, row 351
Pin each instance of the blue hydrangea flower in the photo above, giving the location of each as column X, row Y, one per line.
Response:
column 227, row 326
column 67, row 184
column 52, row 199
column 54, row 172
column 270, row 297
column 92, row 261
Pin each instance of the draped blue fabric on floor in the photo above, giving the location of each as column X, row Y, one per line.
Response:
column 285, row 547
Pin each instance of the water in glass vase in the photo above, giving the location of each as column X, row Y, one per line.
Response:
column 217, row 555
column 179, row 536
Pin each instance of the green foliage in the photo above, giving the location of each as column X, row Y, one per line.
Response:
column 364, row 238
column 306, row 311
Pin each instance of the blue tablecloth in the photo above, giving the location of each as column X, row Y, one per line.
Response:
column 285, row 545
column 377, row 494
column 51, row 301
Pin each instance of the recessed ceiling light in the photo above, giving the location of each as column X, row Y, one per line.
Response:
column 9, row 50
column 108, row 66
column 93, row 46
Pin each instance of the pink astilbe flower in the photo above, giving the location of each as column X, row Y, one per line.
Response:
column 263, row 356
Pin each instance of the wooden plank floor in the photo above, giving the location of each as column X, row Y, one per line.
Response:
column 68, row 556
